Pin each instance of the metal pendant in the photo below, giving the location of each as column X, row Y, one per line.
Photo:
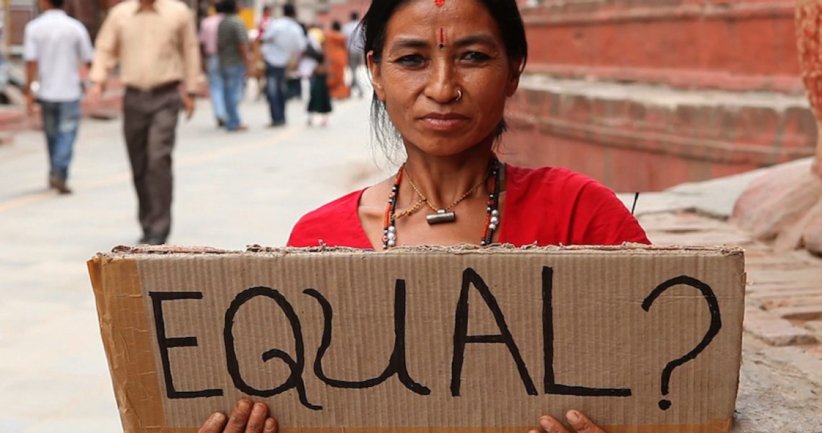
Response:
column 442, row 216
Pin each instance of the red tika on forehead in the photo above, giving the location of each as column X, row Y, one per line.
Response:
column 439, row 2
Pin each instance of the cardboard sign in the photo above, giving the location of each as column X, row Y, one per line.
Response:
column 434, row 340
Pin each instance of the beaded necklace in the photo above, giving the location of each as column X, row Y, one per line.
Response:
column 389, row 238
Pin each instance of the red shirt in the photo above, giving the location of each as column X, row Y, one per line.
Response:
column 545, row 206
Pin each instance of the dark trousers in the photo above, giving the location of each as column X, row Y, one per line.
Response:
column 150, row 122
column 275, row 92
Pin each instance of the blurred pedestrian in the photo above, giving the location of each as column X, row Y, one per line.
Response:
column 293, row 79
column 208, row 41
column 4, row 74
column 56, row 47
column 319, row 102
column 235, row 61
column 283, row 44
column 266, row 17
column 152, row 66
column 353, row 42
column 336, row 56
column 258, row 71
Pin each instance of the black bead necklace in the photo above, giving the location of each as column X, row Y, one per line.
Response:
column 389, row 238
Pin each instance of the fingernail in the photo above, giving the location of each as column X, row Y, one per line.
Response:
column 216, row 418
column 269, row 424
column 243, row 404
column 545, row 424
column 573, row 416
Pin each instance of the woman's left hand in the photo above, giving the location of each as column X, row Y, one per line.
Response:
column 579, row 422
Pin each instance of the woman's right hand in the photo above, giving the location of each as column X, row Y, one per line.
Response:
column 578, row 421
column 246, row 417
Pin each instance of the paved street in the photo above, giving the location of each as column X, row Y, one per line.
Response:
column 249, row 188
column 231, row 190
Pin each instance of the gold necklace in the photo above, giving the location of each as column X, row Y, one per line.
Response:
column 444, row 214
column 405, row 212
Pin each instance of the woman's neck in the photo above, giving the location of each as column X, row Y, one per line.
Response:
column 444, row 179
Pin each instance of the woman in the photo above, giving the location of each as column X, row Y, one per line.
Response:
column 442, row 72
column 319, row 101
column 336, row 55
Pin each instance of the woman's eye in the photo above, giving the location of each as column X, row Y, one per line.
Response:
column 475, row 57
column 411, row 60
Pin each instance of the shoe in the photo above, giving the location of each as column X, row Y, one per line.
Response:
column 151, row 240
column 220, row 123
column 59, row 184
column 276, row 124
column 238, row 129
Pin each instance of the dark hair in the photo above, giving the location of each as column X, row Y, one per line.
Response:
column 267, row 8
column 289, row 10
column 336, row 26
column 374, row 23
column 58, row 4
column 226, row 7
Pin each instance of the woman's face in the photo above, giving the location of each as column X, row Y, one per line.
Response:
column 432, row 53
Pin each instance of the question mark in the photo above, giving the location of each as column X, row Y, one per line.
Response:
column 716, row 324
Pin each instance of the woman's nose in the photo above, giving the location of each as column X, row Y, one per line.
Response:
column 442, row 87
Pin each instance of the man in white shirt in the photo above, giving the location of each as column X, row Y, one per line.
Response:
column 55, row 48
column 282, row 44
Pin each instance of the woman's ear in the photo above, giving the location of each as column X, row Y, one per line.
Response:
column 376, row 77
column 513, row 81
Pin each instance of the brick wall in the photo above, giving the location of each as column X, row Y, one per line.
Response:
column 646, row 94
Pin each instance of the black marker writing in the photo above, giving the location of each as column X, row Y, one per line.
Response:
column 165, row 343
column 295, row 380
column 397, row 363
column 461, row 337
column 550, row 384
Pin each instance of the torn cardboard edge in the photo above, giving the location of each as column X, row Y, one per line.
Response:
column 122, row 279
column 122, row 250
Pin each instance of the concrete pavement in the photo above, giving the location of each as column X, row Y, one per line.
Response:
column 249, row 188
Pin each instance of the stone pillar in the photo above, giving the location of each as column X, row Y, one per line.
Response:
column 786, row 203
column 808, row 33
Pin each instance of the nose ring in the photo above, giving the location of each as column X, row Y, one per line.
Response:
column 459, row 94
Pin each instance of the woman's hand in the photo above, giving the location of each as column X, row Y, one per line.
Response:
column 247, row 417
column 578, row 421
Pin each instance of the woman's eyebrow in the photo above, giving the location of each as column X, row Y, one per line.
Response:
column 401, row 43
column 483, row 39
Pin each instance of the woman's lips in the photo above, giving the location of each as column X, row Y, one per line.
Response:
column 444, row 121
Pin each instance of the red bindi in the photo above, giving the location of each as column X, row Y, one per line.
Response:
column 439, row 2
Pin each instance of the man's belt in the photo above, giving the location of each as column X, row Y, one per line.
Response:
column 161, row 88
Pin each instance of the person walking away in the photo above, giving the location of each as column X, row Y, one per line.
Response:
column 294, row 79
column 208, row 41
column 155, row 44
column 336, row 54
column 235, row 57
column 283, row 44
column 258, row 72
column 319, row 102
column 353, row 42
column 55, row 48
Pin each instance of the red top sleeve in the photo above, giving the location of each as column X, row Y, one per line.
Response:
column 337, row 224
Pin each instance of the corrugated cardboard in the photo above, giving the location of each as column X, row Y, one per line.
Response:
column 425, row 340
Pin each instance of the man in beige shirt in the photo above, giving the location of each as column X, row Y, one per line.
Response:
column 156, row 46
